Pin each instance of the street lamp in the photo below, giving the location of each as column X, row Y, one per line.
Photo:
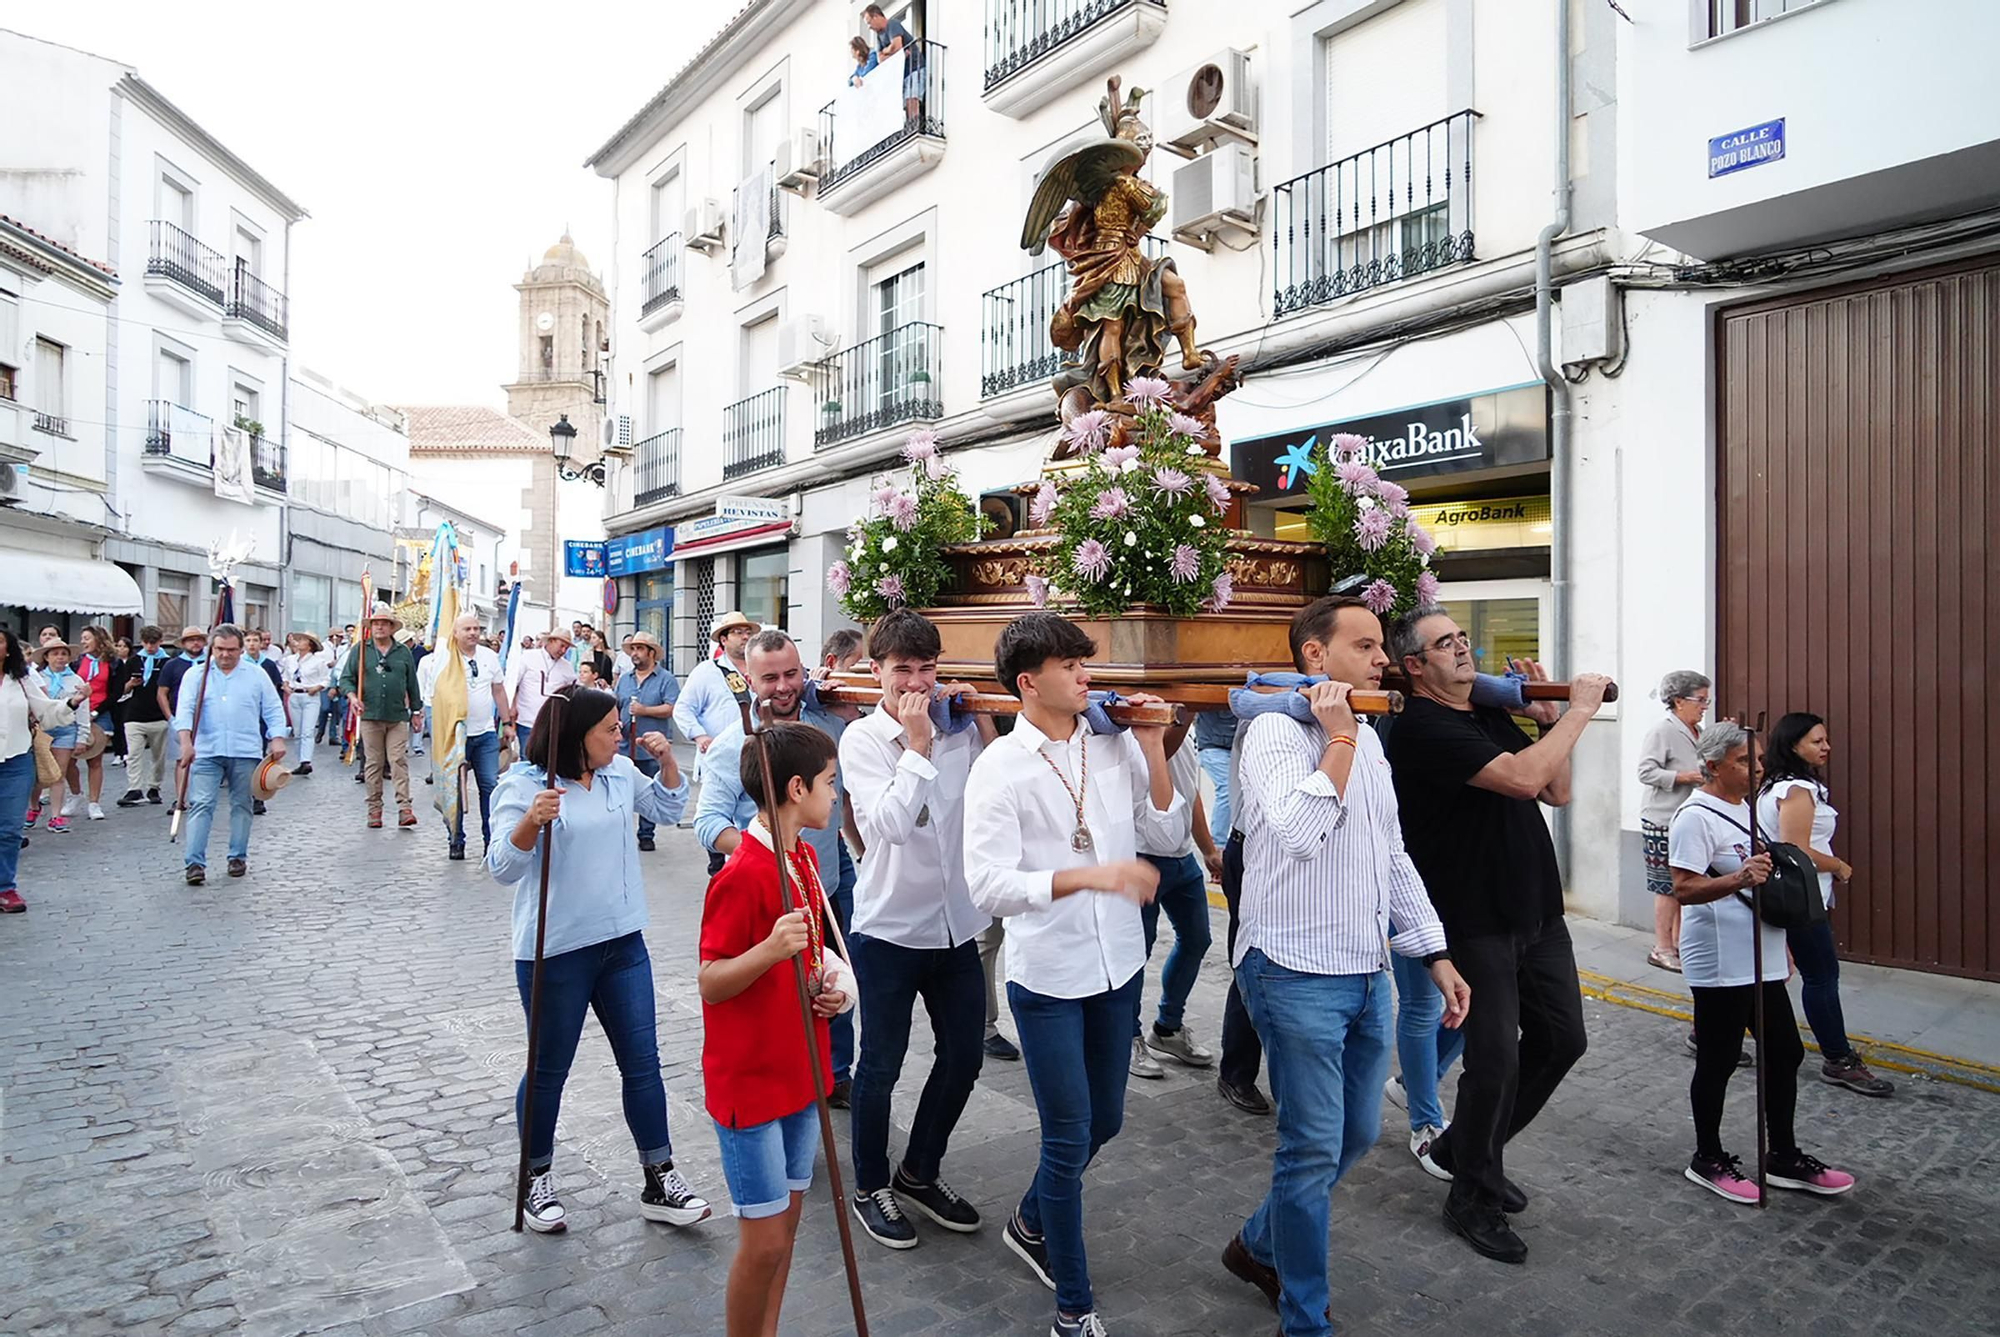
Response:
column 562, row 439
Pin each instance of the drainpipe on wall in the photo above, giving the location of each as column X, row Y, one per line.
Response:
column 1559, row 393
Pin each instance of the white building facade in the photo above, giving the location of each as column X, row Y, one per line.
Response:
column 196, row 338
column 349, row 474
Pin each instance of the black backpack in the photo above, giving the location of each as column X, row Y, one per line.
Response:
column 1790, row 897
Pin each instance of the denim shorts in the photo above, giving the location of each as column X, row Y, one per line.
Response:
column 63, row 737
column 765, row 1164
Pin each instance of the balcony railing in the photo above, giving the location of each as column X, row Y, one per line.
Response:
column 852, row 149
column 1014, row 340
column 177, row 256
column 258, row 302
column 656, row 464
column 267, row 462
column 195, row 443
column 50, row 423
column 880, row 382
column 1392, row 212
column 1021, row 32
column 660, row 275
column 753, row 433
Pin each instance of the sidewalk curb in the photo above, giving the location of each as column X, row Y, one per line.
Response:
column 1878, row 1053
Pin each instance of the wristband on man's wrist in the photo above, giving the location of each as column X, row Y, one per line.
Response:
column 1436, row 957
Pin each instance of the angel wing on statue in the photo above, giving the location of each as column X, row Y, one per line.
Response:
column 1124, row 308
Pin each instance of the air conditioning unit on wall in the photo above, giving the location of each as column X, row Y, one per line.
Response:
column 804, row 342
column 703, row 228
column 1216, row 194
column 797, row 162
column 1214, row 102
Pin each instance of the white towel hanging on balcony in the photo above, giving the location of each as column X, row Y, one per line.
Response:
column 750, row 227
column 233, row 481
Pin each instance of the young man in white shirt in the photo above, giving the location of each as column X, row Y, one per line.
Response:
column 1052, row 813
column 486, row 712
column 1325, row 882
column 915, row 927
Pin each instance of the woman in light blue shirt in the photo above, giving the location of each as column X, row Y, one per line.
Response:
column 574, row 784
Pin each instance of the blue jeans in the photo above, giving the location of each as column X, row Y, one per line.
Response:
column 840, row 1030
column 205, row 781
column 1215, row 761
column 1326, row 1040
column 1424, row 1048
column 1818, row 960
column 614, row 978
column 1183, row 895
column 482, row 754
column 648, row 768
column 333, row 711
column 1076, row 1051
column 17, row 784
column 891, row 980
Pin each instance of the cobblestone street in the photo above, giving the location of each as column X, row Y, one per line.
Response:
column 283, row 1104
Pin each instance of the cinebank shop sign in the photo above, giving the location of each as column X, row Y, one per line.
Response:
column 1482, row 431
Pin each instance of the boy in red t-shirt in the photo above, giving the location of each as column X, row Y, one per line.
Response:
column 759, row 1094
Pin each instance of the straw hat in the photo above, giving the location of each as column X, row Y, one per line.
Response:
column 191, row 634
column 645, row 638
column 269, row 777
column 729, row 620
column 94, row 743
column 310, row 639
column 381, row 613
column 558, row 633
column 42, row 652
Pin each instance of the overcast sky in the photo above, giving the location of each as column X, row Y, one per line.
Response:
column 437, row 145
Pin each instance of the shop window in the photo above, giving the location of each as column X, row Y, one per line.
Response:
column 171, row 597
column 761, row 585
column 312, row 607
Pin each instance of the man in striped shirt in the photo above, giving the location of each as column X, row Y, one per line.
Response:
column 1325, row 882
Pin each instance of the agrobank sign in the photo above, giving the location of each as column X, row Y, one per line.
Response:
column 1482, row 431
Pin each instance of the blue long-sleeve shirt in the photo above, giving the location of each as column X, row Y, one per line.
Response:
column 706, row 706
column 596, row 889
column 725, row 806
column 240, row 708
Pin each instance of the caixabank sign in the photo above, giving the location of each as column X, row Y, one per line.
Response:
column 1482, row 431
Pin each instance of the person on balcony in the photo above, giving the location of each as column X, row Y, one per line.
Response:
column 892, row 37
column 864, row 60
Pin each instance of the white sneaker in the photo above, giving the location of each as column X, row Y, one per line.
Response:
column 545, row 1211
column 1394, row 1093
column 1420, row 1147
column 1143, row 1063
column 73, row 806
column 96, row 813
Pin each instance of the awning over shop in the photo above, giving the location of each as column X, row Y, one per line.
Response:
column 43, row 583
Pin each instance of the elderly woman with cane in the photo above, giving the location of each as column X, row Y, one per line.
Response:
column 567, row 811
column 1710, row 849
column 1669, row 770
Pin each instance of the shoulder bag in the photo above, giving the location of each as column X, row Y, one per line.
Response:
column 1791, row 896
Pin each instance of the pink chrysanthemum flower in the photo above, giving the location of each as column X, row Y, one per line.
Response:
column 883, row 495
column 1420, row 538
column 1119, row 456
column 921, row 445
column 890, row 587
column 1092, row 561
column 1044, row 502
column 1346, row 444
column 1087, row 431
column 1172, row 481
column 1371, row 531
column 839, row 579
column 1218, row 491
column 1427, row 588
column 1111, row 503
column 935, row 468
column 1182, row 425
column 1038, row 591
column 903, row 512
column 1356, row 475
column 1394, row 496
column 1186, row 564
column 1143, row 392
column 1221, row 592
column 1380, row 597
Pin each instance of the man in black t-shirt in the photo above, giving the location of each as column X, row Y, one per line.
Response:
column 1468, row 781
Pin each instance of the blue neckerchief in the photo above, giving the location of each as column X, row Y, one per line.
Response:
column 1487, row 690
column 1098, row 717
column 946, row 720
column 153, row 658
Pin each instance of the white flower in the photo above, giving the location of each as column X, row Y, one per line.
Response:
column 889, row 544
column 1364, row 503
column 1197, row 522
column 1196, row 450
column 1131, row 539
column 854, row 551
column 1424, row 557
column 1128, row 466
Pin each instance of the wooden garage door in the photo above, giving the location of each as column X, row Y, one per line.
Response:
column 1856, row 504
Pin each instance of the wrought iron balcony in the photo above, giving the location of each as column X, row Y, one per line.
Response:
column 880, row 382
column 253, row 300
column 267, row 462
column 1021, row 32
column 194, row 444
column 656, row 464
column 177, row 256
column 753, row 433
column 852, row 150
column 660, row 275
column 51, row 424
column 1388, row 213
column 1014, row 338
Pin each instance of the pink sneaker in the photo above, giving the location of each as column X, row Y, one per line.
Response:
column 1723, row 1176
column 59, row 826
column 1807, row 1174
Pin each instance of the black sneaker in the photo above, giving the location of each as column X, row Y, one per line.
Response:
column 937, row 1201
column 545, row 1213
column 152, row 796
column 668, row 1198
column 456, row 853
column 1853, row 1074
column 1000, row 1047
column 882, row 1217
column 1083, row 1325
column 839, row 1098
column 131, row 798
column 257, row 807
column 646, row 844
column 1030, row 1249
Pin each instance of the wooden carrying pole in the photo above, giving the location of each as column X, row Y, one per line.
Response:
column 754, row 736
column 550, row 719
column 1166, row 715
column 1757, row 970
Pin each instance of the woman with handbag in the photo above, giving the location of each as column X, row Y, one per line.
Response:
column 25, row 711
column 576, row 793
column 1708, row 846
column 1669, row 770
column 1795, row 806
column 60, row 682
